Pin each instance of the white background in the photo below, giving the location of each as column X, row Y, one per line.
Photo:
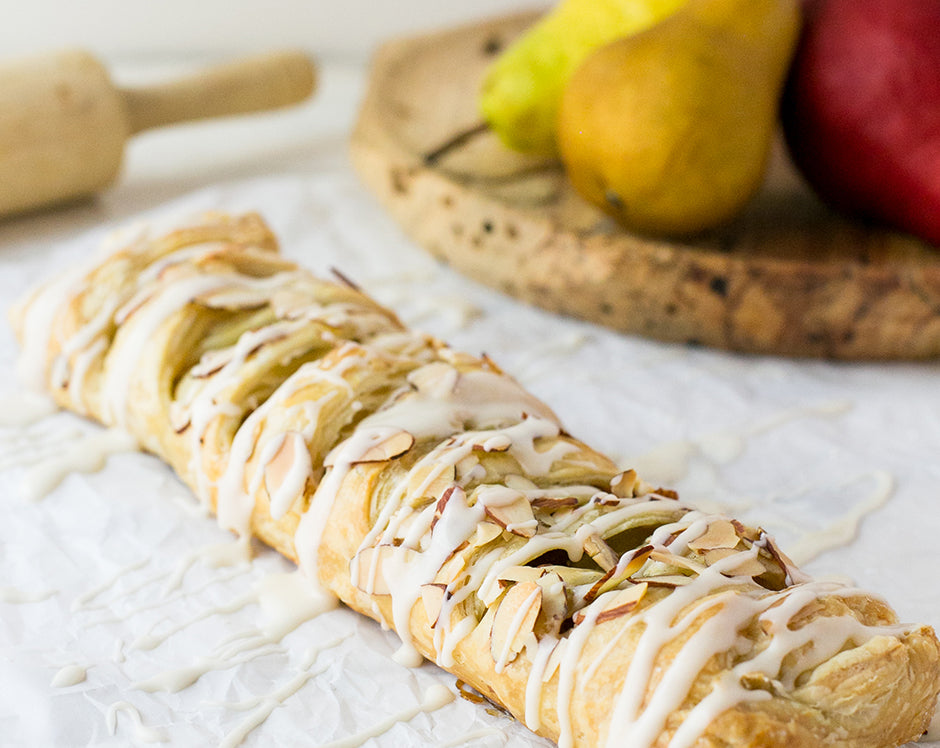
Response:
column 121, row 29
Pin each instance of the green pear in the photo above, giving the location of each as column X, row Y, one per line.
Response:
column 670, row 130
column 522, row 88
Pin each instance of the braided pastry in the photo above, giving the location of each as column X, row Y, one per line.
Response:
column 428, row 490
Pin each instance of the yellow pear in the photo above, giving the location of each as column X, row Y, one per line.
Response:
column 670, row 130
column 523, row 86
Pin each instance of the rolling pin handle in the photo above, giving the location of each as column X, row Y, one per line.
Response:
column 250, row 85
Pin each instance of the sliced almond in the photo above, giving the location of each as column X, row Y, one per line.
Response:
column 495, row 443
column 516, row 517
column 665, row 493
column 624, row 484
column 390, row 448
column 371, row 562
column 748, row 533
column 668, row 580
column 747, row 566
column 290, row 303
column 554, row 660
column 179, row 416
column 616, row 576
column 520, row 574
column 622, row 602
column 428, row 479
column 451, row 491
column 616, row 604
column 437, row 376
column 288, row 469
column 234, row 298
column 486, row 532
column 451, row 570
column 573, row 576
column 469, row 466
column 598, row 550
column 518, row 483
column 432, row 595
column 554, row 604
column 671, row 559
column 514, row 622
column 211, row 362
column 785, row 563
column 381, row 450
column 554, row 503
column 719, row 534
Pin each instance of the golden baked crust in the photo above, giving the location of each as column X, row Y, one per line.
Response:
column 428, row 490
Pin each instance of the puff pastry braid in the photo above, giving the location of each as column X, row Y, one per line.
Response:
column 428, row 490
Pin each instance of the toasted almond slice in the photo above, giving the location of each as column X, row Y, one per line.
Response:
column 432, row 595
column 516, row 517
column 519, row 483
column 667, row 580
column 429, row 479
column 719, row 534
column 438, row 376
column 573, row 576
column 554, row 604
column 554, row 660
column 235, row 298
column 467, row 466
column 747, row 566
column 614, row 578
column 486, row 532
column 451, row 569
column 179, row 416
column 496, row 443
column 597, row 549
column 290, row 303
column 386, row 449
column 671, row 559
column 748, row 533
column 520, row 574
column 371, row 561
column 624, row 484
column 554, row 503
column 286, row 473
column 606, row 499
column 665, row 493
column 616, row 603
column 395, row 446
column 783, row 560
column 514, row 622
column 449, row 492
column 211, row 362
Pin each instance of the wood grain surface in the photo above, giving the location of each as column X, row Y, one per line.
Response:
column 787, row 277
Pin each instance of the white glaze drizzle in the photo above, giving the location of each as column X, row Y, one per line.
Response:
column 142, row 733
column 435, row 697
column 843, row 530
column 69, row 675
column 24, row 408
column 17, row 596
column 262, row 706
column 162, row 304
column 86, row 455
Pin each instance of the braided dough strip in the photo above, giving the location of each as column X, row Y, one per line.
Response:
column 428, row 490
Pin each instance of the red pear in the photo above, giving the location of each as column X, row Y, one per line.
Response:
column 861, row 111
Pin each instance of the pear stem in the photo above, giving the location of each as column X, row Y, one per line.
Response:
column 461, row 138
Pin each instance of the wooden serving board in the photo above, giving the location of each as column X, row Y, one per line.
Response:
column 787, row 277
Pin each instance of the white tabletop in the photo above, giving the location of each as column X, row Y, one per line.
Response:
column 839, row 460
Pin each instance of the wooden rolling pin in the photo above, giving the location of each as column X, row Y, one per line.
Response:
column 64, row 124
